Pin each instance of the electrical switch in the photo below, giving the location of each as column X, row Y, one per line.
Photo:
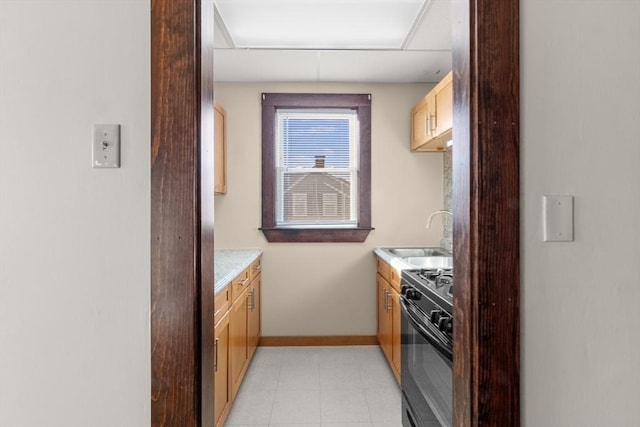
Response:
column 106, row 146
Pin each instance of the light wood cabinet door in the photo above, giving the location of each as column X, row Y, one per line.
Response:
column 384, row 325
column 443, row 107
column 395, row 333
column 432, row 118
column 420, row 129
column 219, row 150
column 388, row 313
column 253, row 315
column 238, row 342
column 222, row 395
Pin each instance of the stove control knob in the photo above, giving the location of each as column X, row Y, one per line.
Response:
column 403, row 289
column 434, row 316
column 412, row 294
column 445, row 324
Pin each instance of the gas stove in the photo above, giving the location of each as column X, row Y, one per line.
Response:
column 426, row 327
column 435, row 282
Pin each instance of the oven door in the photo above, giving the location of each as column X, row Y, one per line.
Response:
column 426, row 372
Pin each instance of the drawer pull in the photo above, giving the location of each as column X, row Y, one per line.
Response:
column 244, row 282
column 215, row 355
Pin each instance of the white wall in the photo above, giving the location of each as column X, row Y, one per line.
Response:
column 74, row 241
column 581, row 137
column 74, row 340
column 326, row 288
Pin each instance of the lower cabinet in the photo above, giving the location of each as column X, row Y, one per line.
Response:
column 384, row 319
column 395, row 333
column 388, row 310
column 237, row 334
column 222, row 395
column 238, row 342
column 253, row 316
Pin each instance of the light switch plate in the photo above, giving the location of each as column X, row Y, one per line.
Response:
column 557, row 218
column 106, row 146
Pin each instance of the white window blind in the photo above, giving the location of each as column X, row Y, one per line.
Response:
column 316, row 168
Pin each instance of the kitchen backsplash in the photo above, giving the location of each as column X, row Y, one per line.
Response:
column 447, row 190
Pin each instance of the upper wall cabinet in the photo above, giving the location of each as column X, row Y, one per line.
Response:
column 432, row 118
column 220, row 150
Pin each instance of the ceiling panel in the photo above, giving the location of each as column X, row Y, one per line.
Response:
column 241, row 65
column 357, row 55
column 386, row 67
column 319, row 24
column 238, row 65
column 434, row 31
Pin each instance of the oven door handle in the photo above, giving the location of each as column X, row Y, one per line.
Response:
column 433, row 340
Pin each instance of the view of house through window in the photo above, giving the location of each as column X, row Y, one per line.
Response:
column 316, row 167
column 316, row 156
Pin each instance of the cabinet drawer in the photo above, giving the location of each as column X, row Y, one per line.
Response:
column 383, row 268
column 221, row 304
column 239, row 284
column 255, row 268
column 394, row 279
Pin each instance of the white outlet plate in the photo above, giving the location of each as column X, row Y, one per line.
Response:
column 557, row 218
column 106, row 146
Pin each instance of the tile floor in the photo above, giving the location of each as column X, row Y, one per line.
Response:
column 350, row 386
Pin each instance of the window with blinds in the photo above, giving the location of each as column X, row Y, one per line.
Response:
column 316, row 167
column 316, row 156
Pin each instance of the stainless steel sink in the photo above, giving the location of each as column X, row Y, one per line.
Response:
column 416, row 252
column 429, row 261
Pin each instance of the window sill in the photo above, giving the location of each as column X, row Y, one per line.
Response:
column 308, row 235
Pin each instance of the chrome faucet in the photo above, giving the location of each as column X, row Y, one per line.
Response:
column 440, row 212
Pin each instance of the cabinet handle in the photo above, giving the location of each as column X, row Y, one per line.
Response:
column 386, row 295
column 215, row 355
column 426, row 124
column 244, row 282
column 434, row 123
column 251, row 299
column 257, row 267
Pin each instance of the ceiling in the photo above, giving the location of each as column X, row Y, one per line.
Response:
column 399, row 41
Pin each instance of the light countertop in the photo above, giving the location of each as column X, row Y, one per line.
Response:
column 230, row 262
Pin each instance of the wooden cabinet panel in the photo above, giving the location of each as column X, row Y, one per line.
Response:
column 238, row 342
column 388, row 313
column 395, row 333
column 221, row 304
column 219, row 150
column 384, row 327
column 237, row 331
column 432, row 118
column 382, row 268
column 255, row 268
column 239, row 284
column 253, row 313
column 222, row 395
column 420, row 129
column 443, row 106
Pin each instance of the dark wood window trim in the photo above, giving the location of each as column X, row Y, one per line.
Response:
column 271, row 102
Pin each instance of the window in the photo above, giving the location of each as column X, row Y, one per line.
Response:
column 330, row 205
column 316, row 167
column 298, row 206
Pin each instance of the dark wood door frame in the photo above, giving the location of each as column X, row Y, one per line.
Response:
column 486, row 134
column 181, row 213
column 486, row 198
